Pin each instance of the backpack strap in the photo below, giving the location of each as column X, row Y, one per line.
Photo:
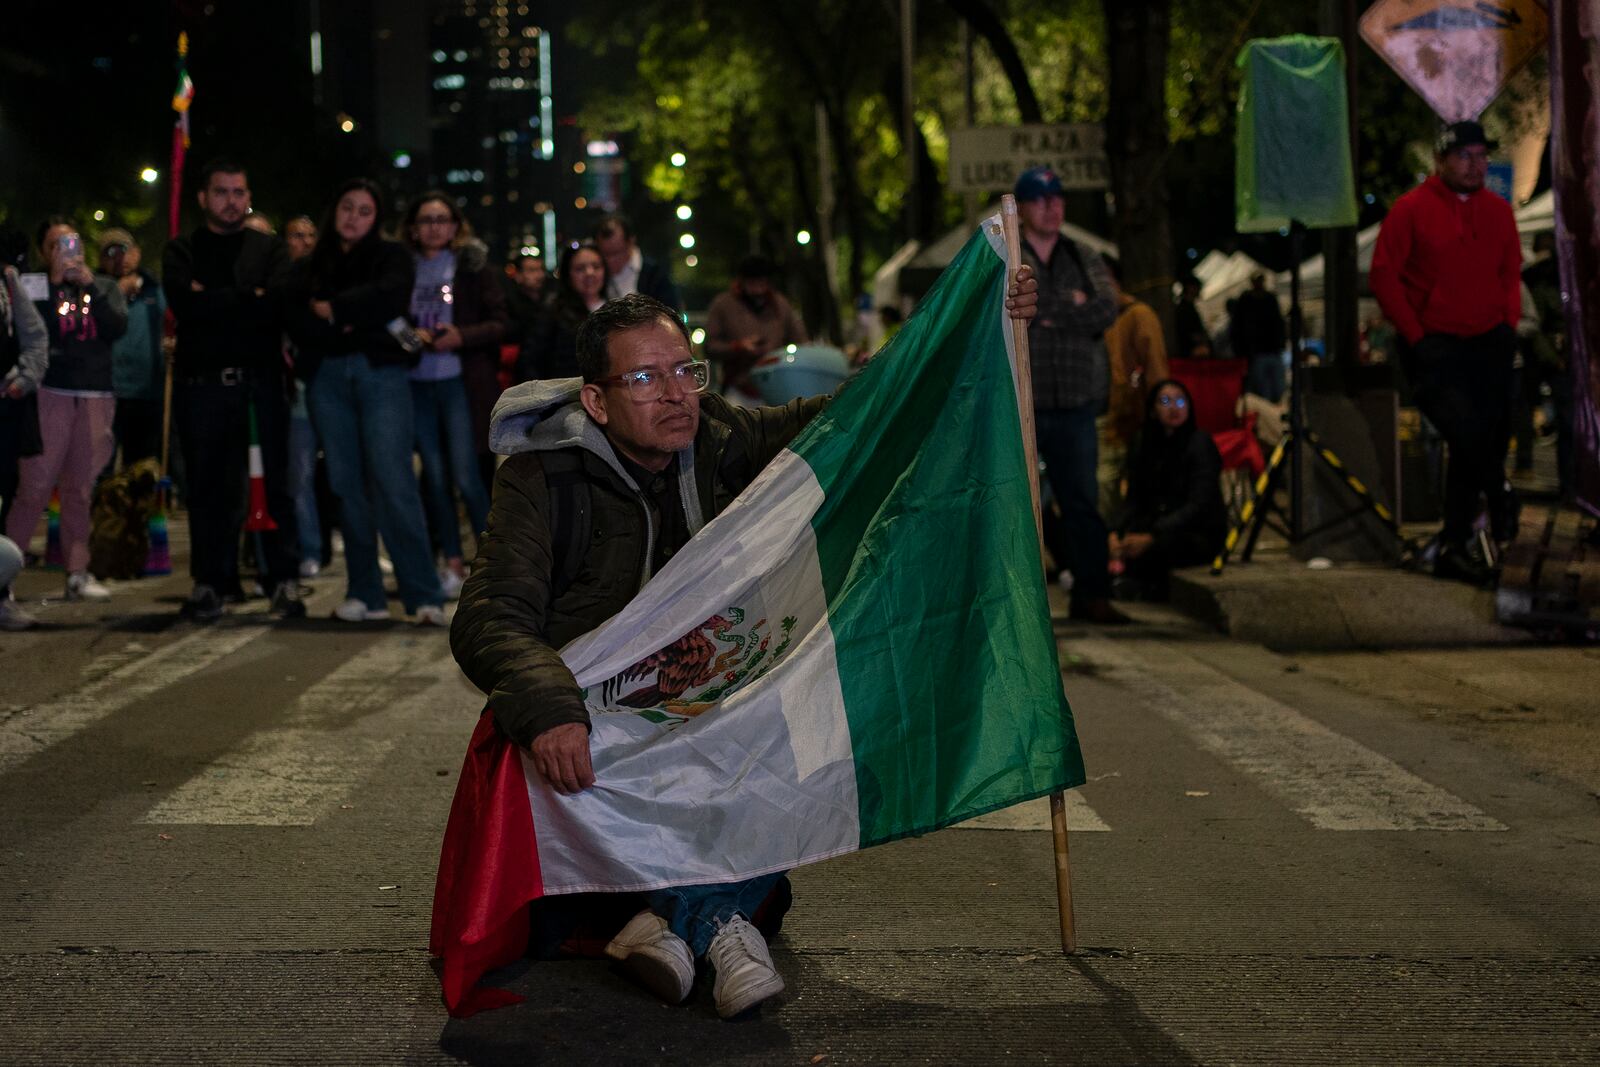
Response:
column 571, row 521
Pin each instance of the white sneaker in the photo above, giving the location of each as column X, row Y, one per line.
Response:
column 429, row 615
column 654, row 955
column 354, row 610
column 451, row 583
column 745, row 974
column 84, row 586
column 310, row 568
column 12, row 617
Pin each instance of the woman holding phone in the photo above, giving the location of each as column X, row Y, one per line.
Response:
column 83, row 313
column 459, row 309
column 346, row 307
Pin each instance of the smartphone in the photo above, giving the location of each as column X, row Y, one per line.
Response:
column 407, row 337
column 111, row 260
column 69, row 246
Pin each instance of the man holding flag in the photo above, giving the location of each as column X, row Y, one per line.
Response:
column 704, row 777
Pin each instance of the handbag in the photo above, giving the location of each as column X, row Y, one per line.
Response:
column 29, row 440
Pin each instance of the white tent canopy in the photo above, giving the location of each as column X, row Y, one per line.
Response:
column 934, row 257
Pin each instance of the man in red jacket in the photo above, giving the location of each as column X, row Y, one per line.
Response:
column 1446, row 273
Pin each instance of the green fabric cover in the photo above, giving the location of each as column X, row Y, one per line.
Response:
column 1294, row 136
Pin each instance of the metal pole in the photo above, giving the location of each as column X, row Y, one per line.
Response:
column 1296, row 388
column 825, row 202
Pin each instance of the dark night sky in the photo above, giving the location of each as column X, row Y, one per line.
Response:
column 85, row 102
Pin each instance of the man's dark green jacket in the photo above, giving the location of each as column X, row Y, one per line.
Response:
column 510, row 626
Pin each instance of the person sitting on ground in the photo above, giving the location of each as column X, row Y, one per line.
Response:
column 651, row 457
column 1175, row 516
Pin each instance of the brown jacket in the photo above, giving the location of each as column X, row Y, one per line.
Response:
column 730, row 319
column 1138, row 355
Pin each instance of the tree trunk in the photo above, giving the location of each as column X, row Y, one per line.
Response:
column 847, row 190
column 819, row 294
column 929, row 193
column 984, row 22
column 1137, row 37
column 1341, row 328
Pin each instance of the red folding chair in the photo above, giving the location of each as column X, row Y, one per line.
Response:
column 1216, row 385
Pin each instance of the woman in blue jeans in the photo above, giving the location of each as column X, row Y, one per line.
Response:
column 340, row 304
column 458, row 309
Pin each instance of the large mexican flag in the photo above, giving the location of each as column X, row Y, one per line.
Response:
column 857, row 650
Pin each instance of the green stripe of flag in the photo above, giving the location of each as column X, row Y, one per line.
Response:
column 930, row 563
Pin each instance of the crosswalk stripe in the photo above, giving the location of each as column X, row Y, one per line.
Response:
column 333, row 737
column 1035, row 815
column 1334, row 782
column 27, row 731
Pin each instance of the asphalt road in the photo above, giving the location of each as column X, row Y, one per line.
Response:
column 219, row 847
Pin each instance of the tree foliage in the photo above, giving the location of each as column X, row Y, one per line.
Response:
column 737, row 87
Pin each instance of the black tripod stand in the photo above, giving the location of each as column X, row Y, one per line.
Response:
column 1257, row 512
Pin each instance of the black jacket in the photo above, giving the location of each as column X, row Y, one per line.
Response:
column 510, row 625
column 232, row 322
column 655, row 281
column 1174, row 488
column 369, row 286
column 80, row 350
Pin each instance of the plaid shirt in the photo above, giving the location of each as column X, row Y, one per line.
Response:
column 1070, row 367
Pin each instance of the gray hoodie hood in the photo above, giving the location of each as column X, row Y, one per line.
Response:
column 539, row 416
column 543, row 416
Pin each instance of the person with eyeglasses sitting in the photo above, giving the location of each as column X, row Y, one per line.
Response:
column 607, row 477
column 1174, row 515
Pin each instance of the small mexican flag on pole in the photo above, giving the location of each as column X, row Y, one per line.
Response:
column 859, row 649
column 158, row 559
column 182, row 98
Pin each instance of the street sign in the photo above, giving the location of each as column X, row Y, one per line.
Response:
column 984, row 159
column 1457, row 56
column 1498, row 180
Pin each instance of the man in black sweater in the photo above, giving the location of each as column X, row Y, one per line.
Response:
column 224, row 285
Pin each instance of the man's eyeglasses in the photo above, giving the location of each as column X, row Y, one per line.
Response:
column 1173, row 402
column 648, row 383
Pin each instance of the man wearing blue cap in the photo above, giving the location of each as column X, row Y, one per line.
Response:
column 1071, row 383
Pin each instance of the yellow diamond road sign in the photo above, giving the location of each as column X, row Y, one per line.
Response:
column 1458, row 54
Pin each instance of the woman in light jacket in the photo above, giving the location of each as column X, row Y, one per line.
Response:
column 459, row 311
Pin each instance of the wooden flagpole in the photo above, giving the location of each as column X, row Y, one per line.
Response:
column 1030, row 450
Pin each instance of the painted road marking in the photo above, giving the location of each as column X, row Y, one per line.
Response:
column 333, row 737
column 28, row 731
column 1335, row 783
column 1035, row 815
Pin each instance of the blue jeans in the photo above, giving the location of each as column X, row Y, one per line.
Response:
column 303, row 484
column 444, row 431
column 1070, row 448
column 1267, row 377
column 694, row 912
column 362, row 415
